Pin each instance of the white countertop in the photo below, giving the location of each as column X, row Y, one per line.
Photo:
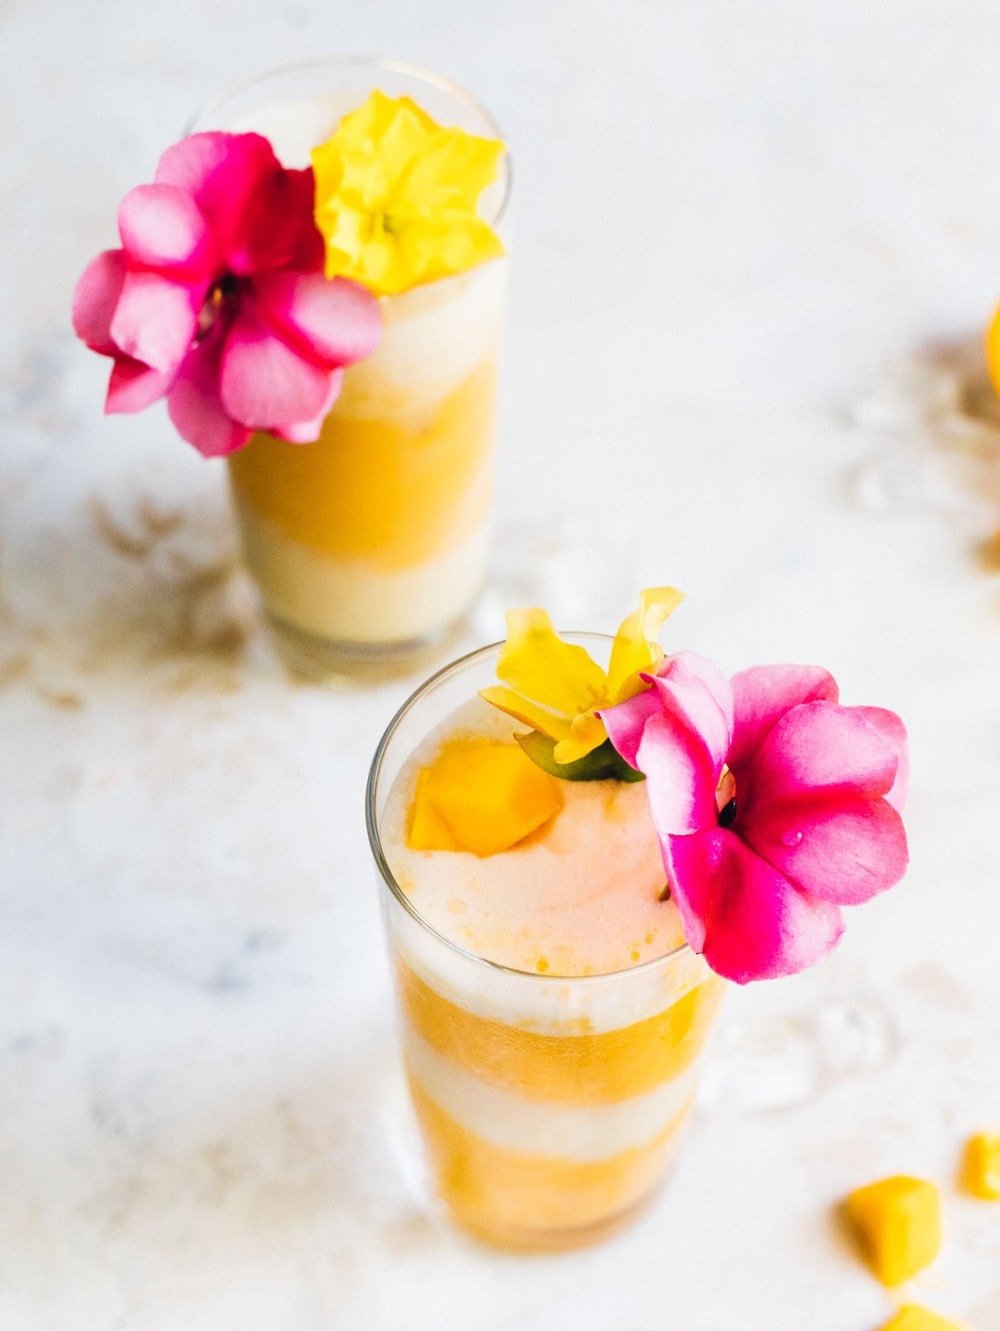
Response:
column 753, row 247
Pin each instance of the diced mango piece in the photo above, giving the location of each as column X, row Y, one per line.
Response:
column 911, row 1317
column 982, row 1166
column 427, row 830
column 480, row 795
column 898, row 1221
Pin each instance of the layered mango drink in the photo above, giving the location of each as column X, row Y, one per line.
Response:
column 581, row 840
column 552, row 1015
column 368, row 535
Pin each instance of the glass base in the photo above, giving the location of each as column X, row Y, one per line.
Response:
column 544, row 1241
column 318, row 660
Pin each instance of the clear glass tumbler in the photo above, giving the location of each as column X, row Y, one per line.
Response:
column 550, row 1107
column 371, row 543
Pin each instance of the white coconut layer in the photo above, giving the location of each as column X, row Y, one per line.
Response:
column 516, row 1123
column 354, row 601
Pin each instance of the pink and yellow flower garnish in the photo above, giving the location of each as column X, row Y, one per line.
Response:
column 558, row 689
column 216, row 299
column 397, row 196
column 775, row 806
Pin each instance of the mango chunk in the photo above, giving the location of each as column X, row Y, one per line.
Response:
column 480, row 795
column 898, row 1222
column 911, row 1317
column 427, row 829
column 982, row 1166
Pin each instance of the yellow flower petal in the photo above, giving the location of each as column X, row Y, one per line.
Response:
column 555, row 686
column 993, row 349
column 587, row 733
column 537, row 663
column 397, row 196
column 407, row 137
column 448, row 243
column 635, row 647
column 452, row 171
column 522, row 709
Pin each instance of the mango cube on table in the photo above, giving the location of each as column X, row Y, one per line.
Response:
column 913, row 1318
column 982, row 1166
column 898, row 1221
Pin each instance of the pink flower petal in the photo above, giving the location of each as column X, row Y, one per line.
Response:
column 818, row 747
column 261, row 214
column 892, row 730
column 307, row 432
column 194, row 405
column 847, row 849
column 95, row 298
column 763, row 694
column 133, row 386
column 161, row 226
column 626, row 721
column 222, row 173
column 334, row 323
column 155, row 320
column 277, row 228
column 681, row 775
column 192, row 161
column 219, row 170
column 689, row 863
column 223, row 207
column 676, row 732
column 263, row 382
column 695, row 690
column 748, row 921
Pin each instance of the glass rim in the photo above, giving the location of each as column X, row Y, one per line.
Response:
column 387, row 876
column 404, row 67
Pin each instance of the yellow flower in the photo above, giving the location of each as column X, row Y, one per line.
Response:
column 992, row 340
column 396, row 196
column 556, row 687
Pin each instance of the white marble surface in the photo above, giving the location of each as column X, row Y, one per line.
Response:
column 754, row 246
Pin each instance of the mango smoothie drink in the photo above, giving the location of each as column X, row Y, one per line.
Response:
column 552, row 1016
column 373, row 538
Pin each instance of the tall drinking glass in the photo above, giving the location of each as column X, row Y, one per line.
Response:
column 550, row 1106
column 371, row 542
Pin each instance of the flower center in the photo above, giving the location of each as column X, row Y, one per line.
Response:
column 725, row 798
column 221, row 298
column 727, row 814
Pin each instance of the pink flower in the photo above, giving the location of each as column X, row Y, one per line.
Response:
column 217, row 301
column 774, row 805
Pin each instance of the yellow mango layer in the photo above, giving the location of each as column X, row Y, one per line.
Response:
column 982, row 1166
column 375, row 489
column 911, row 1317
column 898, row 1222
column 480, row 795
column 516, row 1200
column 580, row 1067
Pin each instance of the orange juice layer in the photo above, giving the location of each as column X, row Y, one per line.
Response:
column 392, row 490
column 579, row 1067
column 517, row 1199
